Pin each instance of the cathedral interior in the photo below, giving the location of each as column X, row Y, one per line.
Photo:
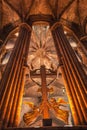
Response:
column 43, row 64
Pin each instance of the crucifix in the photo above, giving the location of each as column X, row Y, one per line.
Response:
column 45, row 105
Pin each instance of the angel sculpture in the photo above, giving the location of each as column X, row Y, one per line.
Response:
column 60, row 113
column 54, row 105
column 31, row 117
column 46, row 105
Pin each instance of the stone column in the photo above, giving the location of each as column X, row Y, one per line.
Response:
column 73, row 74
column 12, row 83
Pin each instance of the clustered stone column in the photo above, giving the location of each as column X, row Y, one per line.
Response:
column 73, row 74
column 12, row 83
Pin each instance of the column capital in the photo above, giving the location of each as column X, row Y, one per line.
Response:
column 25, row 25
column 55, row 25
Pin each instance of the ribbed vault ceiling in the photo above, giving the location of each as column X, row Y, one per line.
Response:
column 69, row 10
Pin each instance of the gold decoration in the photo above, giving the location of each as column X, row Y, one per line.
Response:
column 30, row 117
column 46, row 105
column 30, row 104
column 60, row 113
column 50, row 90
